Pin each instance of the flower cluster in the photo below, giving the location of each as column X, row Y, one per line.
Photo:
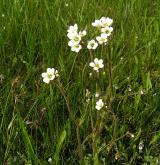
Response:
column 50, row 75
column 104, row 24
column 75, row 38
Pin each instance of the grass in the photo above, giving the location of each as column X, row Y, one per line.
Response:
column 34, row 122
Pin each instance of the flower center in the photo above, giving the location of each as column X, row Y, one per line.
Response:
column 97, row 65
column 49, row 76
column 76, row 38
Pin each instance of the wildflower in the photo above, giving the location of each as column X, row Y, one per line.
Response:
column 75, row 38
column 1, row 78
column 97, row 95
column 92, row 44
column 106, row 21
column 51, row 74
column 50, row 160
column 142, row 92
column 88, row 100
column 82, row 33
column 154, row 94
column 72, row 29
column 97, row 23
column 129, row 89
column 102, row 38
column 88, row 93
column 107, row 30
column 66, row 5
column 3, row 15
column 141, row 146
column 97, row 64
column 76, row 48
column 99, row 104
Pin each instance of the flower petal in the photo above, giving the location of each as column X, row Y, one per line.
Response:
column 46, row 80
column 92, row 64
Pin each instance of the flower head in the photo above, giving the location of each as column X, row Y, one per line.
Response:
column 82, row 33
column 99, row 104
column 107, row 30
column 97, row 23
column 102, row 38
column 97, row 64
column 75, row 38
column 92, row 44
column 50, row 160
column 72, row 29
column 51, row 74
column 76, row 48
column 106, row 21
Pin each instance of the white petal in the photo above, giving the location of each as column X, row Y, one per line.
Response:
column 92, row 64
column 104, row 35
column 100, row 61
column 89, row 46
column 71, row 43
column 101, row 65
column 98, row 38
column 82, row 33
column 95, row 45
column 50, row 71
column 98, row 108
column 71, row 35
column 95, row 68
column 96, row 60
column 46, row 80
column 44, row 74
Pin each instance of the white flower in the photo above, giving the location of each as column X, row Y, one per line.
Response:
column 102, row 39
column 51, row 74
column 106, row 21
column 97, row 23
column 49, row 160
column 66, row 5
column 97, row 64
column 99, row 104
column 97, row 95
column 142, row 92
column 74, row 37
column 76, row 48
column 141, row 145
column 92, row 44
column 108, row 30
column 82, row 33
column 129, row 89
column 72, row 29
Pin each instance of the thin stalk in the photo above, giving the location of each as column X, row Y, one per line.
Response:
column 72, row 67
column 61, row 89
column 111, row 91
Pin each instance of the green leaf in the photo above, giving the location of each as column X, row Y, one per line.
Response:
column 155, row 138
column 59, row 145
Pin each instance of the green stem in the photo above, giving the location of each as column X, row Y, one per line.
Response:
column 61, row 89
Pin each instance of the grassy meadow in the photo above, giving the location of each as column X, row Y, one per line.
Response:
column 57, row 123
